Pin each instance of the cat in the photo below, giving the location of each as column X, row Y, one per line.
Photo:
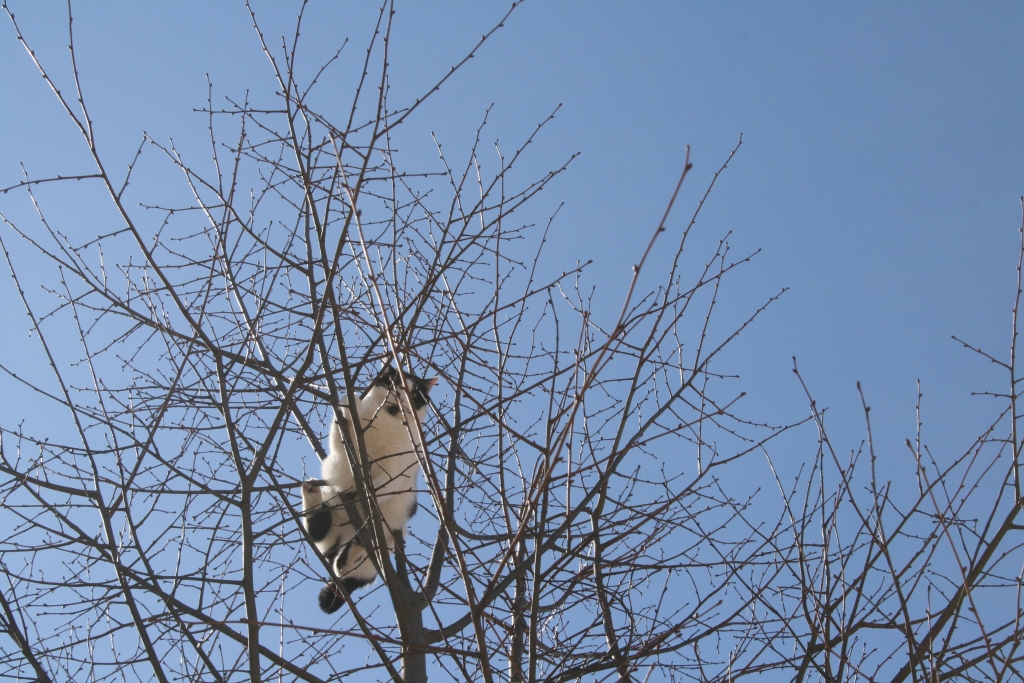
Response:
column 392, row 441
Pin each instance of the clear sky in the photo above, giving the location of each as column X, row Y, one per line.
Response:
column 882, row 158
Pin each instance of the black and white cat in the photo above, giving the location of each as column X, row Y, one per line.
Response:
column 392, row 440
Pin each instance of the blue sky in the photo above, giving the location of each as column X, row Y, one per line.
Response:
column 882, row 162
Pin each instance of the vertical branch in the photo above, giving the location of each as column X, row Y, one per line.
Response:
column 1018, row 444
column 10, row 626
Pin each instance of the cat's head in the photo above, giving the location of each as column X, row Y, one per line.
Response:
column 386, row 388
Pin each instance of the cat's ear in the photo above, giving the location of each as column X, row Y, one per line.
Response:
column 386, row 376
column 421, row 394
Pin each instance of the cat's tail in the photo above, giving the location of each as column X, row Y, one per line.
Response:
column 331, row 599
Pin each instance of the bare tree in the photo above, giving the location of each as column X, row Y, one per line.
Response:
column 579, row 518
column 913, row 579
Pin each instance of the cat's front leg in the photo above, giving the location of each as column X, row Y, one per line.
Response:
column 316, row 515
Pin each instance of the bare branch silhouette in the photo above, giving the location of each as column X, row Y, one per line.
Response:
column 582, row 514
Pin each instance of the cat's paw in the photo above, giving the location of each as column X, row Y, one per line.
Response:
column 312, row 495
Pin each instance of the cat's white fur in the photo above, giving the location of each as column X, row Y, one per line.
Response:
column 391, row 427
